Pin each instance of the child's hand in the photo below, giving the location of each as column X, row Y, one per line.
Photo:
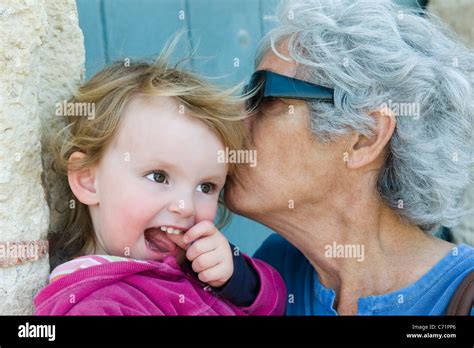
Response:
column 210, row 254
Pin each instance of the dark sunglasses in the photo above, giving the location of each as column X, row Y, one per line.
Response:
column 264, row 84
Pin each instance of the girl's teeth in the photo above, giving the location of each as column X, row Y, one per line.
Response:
column 170, row 230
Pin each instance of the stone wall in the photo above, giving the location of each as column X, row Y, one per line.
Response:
column 41, row 63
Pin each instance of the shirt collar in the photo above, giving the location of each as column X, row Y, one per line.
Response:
column 395, row 299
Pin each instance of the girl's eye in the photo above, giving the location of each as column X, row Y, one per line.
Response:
column 206, row 187
column 158, row 177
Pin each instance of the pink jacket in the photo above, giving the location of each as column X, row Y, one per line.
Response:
column 152, row 288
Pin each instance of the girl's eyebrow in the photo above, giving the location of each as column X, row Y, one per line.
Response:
column 218, row 177
column 159, row 163
column 165, row 165
column 148, row 165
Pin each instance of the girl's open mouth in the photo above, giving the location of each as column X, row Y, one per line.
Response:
column 158, row 241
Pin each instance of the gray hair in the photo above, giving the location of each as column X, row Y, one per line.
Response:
column 375, row 53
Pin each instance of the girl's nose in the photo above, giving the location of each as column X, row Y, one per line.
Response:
column 183, row 207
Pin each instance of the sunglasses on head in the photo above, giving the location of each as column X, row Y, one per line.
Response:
column 264, row 84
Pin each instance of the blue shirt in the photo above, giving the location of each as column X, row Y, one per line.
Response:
column 429, row 295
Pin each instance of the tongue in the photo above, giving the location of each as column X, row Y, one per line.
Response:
column 159, row 240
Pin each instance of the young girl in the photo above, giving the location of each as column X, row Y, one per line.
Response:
column 144, row 184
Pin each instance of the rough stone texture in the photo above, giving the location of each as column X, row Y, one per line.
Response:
column 41, row 62
column 459, row 15
column 62, row 58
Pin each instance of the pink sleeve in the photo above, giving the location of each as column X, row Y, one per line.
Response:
column 104, row 307
column 104, row 304
column 271, row 298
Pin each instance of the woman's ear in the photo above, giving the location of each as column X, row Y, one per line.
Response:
column 83, row 182
column 365, row 150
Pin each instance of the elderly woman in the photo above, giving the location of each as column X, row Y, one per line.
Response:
column 359, row 164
